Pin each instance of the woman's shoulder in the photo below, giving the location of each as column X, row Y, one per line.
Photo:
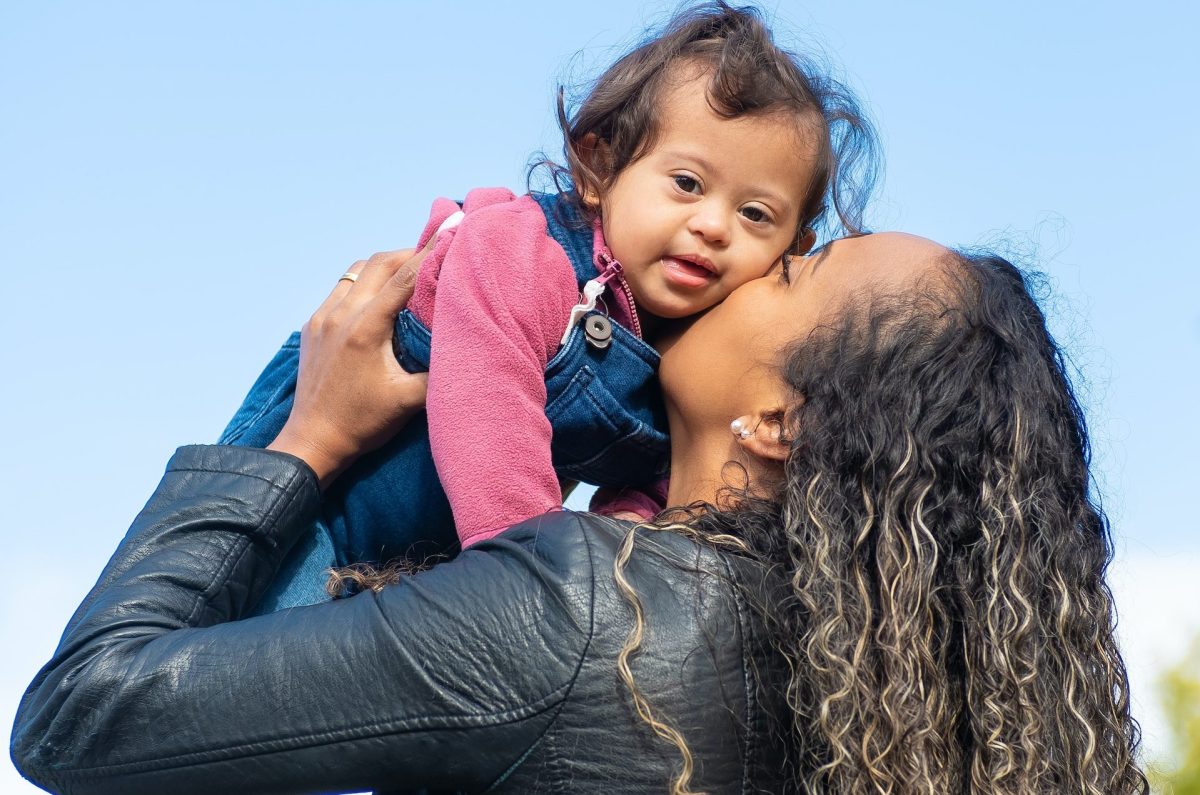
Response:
column 599, row 546
column 569, row 534
column 704, row 658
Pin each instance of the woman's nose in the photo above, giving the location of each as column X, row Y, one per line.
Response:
column 711, row 222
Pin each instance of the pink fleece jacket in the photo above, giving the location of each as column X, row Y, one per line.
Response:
column 497, row 292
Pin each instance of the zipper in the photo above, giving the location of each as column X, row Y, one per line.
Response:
column 611, row 269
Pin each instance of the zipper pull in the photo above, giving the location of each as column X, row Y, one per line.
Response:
column 609, row 269
column 607, row 265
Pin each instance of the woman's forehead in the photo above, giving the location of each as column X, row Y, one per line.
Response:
column 883, row 260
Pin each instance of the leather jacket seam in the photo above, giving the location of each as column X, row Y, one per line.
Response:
column 555, row 783
column 288, row 495
column 747, row 685
column 584, row 533
column 544, row 735
column 272, row 481
column 274, row 746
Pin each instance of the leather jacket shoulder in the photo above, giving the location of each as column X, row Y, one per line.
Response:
column 494, row 671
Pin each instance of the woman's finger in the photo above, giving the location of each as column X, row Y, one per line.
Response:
column 394, row 294
column 410, row 391
column 375, row 273
column 342, row 287
column 394, row 270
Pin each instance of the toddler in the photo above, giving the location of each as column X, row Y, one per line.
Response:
column 694, row 164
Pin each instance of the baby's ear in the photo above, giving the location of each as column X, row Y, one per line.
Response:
column 804, row 242
column 595, row 155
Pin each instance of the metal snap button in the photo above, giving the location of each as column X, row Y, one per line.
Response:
column 598, row 331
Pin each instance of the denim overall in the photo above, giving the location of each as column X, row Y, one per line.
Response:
column 602, row 401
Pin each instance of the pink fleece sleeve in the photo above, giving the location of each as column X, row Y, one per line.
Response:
column 504, row 294
column 646, row 501
column 424, row 296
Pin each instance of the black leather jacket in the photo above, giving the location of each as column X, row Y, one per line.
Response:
column 495, row 671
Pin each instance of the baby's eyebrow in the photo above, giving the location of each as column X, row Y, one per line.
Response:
column 771, row 197
column 675, row 154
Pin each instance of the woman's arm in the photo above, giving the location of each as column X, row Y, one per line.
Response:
column 441, row 681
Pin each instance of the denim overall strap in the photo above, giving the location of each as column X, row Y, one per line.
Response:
column 570, row 230
column 602, row 400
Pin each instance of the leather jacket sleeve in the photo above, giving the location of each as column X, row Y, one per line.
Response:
column 158, row 687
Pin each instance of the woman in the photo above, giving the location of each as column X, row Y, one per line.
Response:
column 897, row 585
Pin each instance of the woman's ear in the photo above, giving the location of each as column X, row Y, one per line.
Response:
column 761, row 435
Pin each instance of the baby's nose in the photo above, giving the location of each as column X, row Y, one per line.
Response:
column 710, row 222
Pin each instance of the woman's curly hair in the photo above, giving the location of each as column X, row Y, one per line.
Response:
column 945, row 616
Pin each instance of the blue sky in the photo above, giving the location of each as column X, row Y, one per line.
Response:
column 180, row 184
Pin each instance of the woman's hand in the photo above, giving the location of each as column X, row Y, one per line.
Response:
column 352, row 395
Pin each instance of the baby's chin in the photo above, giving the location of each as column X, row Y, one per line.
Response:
column 676, row 307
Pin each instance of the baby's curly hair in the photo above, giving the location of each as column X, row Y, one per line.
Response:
column 748, row 74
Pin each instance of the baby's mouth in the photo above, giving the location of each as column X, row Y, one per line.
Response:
column 686, row 272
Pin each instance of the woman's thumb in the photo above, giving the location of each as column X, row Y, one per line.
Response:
column 399, row 287
column 411, row 390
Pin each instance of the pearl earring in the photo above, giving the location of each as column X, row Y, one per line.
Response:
column 740, row 430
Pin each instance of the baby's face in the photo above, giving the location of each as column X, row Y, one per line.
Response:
column 713, row 205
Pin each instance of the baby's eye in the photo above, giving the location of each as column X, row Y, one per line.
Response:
column 756, row 215
column 686, row 184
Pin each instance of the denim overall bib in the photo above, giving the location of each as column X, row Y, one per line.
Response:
column 602, row 400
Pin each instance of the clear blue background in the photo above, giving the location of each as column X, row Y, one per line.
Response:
column 181, row 184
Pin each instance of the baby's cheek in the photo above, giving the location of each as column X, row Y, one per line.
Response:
column 740, row 276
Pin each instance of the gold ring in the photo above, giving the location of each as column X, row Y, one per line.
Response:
column 350, row 277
